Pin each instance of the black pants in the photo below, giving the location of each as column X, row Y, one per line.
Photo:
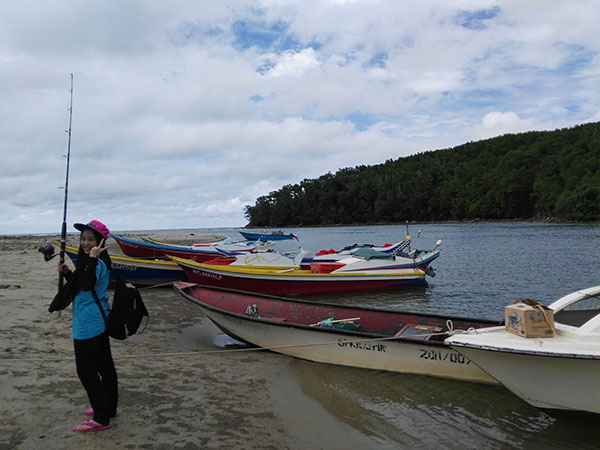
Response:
column 96, row 370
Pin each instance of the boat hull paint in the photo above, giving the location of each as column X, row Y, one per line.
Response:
column 266, row 236
column 137, row 271
column 144, row 273
column 547, row 382
column 325, row 346
column 138, row 249
column 296, row 281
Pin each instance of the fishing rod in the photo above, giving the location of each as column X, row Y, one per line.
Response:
column 63, row 234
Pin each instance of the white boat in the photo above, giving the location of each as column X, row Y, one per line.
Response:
column 357, row 258
column 262, row 258
column 415, row 258
column 353, row 336
column 560, row 373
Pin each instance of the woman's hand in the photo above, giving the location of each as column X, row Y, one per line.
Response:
column 97, row 251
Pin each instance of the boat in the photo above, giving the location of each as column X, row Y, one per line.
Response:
column 271, row 256
column 559, row 374
column 144, row 249
column 273, row 236
column 140, row 272
column 323, row 278
column 352, row 336
column 203, row 244
column 394, row 248
column 415, row 258
column 264, row 259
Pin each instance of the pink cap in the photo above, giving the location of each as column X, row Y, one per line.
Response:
column 94, row 225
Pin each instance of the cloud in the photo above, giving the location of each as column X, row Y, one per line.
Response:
column 185, row 112
column 294, row 64
column 497, row 123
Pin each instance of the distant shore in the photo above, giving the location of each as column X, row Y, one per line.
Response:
column 194, row 236
column 549, row 220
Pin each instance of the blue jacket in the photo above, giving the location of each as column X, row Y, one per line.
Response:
column 87, row 319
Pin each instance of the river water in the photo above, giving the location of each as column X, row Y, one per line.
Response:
column 482, row 268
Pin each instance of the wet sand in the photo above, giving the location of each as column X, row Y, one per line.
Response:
column 178, row 388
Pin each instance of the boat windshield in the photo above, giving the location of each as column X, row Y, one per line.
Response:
column 578, row 313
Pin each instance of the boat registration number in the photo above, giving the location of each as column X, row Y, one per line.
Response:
column 438, row 355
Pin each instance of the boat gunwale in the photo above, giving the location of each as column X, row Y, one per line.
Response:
column 524, row 352
column 161, row 247
column 187, row 285
column 296, row 273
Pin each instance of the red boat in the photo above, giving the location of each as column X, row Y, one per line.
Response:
column 140, row 249
column 322, row 278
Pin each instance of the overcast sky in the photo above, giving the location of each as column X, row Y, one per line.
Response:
column 185, row 111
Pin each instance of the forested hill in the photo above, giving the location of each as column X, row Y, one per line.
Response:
column 535, row 175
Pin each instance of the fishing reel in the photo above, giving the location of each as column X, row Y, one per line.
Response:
column 48, row 251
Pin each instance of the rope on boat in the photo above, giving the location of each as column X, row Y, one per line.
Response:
column 234, row 350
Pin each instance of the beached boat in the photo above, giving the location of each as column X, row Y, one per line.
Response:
column 336, row 334
column 264, row 259
column 139, row 272
column 560, row 373
column 277, row 260
column 322, row 278
column 394, row 249
column 142, row 249
column 203, row 244
column 273, row 236
column 416, row 258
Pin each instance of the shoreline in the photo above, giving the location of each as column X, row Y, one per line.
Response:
column 177, row 387
column 208, row 236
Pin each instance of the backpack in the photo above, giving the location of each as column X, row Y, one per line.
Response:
column 126, row 313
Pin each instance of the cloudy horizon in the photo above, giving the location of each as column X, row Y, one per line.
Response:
column 184, row 112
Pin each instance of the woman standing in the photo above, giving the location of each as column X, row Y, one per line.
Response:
column 93, row 358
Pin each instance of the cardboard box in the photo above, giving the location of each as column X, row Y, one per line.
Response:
column 530, row 319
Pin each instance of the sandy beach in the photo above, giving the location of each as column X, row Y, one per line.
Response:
column 181, row 387
column 178, row 389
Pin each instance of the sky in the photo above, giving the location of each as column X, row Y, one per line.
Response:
column 186, row 111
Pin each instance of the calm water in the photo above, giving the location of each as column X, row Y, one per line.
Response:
column 482, row 268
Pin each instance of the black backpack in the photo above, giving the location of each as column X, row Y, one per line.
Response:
column 126, row 312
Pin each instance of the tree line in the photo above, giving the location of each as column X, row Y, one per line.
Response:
column 550, row 175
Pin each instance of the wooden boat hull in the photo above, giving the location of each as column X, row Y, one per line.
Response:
column 138, row 271
column 295, row 281
column 284, row 327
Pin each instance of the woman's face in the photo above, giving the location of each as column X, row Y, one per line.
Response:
column 87, row 241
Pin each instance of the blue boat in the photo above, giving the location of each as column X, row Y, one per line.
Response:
column 140, row 272
column 273, row 236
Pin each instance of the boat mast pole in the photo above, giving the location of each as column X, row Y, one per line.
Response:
column 63, row 233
